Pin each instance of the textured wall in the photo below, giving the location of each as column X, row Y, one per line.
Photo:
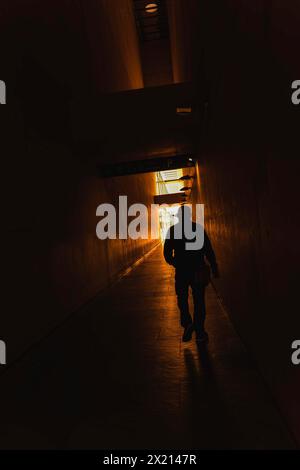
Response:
column 156, row 61
column 248, row 173
column 184, row 16
column 114, row 44
column 55, row 261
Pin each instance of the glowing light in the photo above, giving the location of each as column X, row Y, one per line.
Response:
column 167, row 218
column 151, row 8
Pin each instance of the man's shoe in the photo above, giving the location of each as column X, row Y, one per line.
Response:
column 188, row 333
column 202, row 337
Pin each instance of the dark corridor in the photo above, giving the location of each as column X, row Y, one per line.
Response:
column 93, row 385
column 167, row 102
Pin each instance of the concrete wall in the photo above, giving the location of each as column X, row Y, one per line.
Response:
column 113, row 44
column 184, row 16
column 156, row 61
column 55, row 262
column 248, row 174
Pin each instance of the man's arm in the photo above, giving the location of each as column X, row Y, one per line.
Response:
column 210, row 255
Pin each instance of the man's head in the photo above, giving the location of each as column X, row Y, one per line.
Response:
column 193, row 233
column 184, row 213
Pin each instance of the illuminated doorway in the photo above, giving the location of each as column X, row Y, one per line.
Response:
column 167, row 218
column 168, row 182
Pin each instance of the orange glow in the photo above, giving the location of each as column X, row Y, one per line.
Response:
column 151, row 8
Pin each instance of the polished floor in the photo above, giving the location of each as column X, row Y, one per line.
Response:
column 118, row 376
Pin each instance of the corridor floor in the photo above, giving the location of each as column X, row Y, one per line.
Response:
column 118, row 376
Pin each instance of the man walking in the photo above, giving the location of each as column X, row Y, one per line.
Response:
column 191, row 271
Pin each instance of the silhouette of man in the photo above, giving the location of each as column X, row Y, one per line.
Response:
column 191, row 271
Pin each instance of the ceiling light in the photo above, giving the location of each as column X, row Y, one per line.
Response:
column 151, row 8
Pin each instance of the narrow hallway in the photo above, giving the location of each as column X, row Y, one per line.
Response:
column 125, row 380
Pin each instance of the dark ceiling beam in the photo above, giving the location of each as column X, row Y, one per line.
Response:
column 136, row 125
column 173, row 162
column 174, row 198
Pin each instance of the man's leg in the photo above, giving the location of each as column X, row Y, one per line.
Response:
column 199, row 308
column 182, row 292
